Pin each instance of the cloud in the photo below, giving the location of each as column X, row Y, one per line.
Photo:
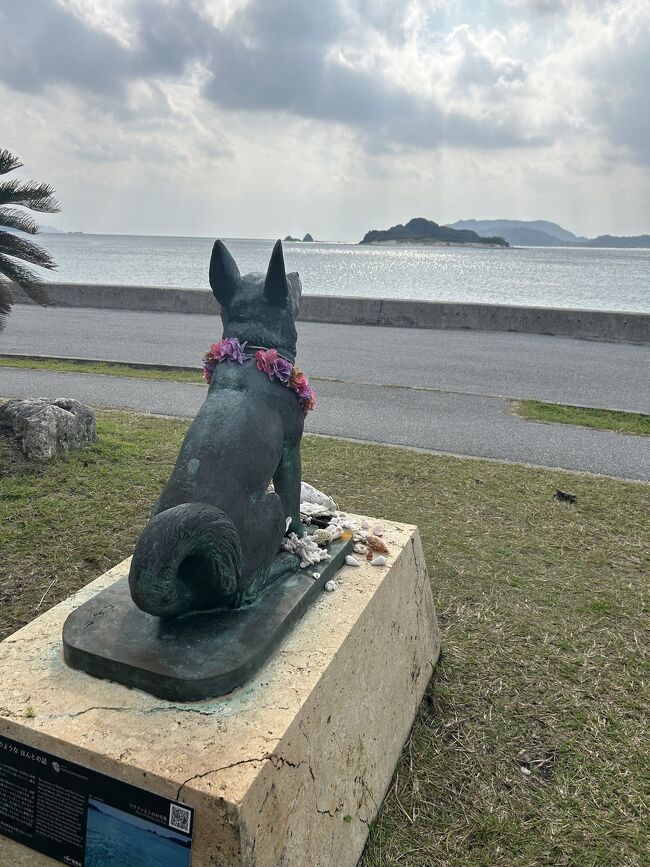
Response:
column 481, row 62
column 398, row 75
column 44, row 43
column 321, row 64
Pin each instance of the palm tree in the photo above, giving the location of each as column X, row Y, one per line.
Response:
column 14, row 249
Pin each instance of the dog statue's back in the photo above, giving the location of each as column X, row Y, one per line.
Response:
column 214, row 535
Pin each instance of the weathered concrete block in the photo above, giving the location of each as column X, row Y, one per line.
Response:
column 45, row 427
column 288, row 770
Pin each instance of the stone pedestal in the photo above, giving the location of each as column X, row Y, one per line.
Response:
column 287, row 770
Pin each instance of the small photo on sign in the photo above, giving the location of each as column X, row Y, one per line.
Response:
column 115, row 838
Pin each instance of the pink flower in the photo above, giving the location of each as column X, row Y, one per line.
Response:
column 269, row 361
column 227, row 349
column 273, row 364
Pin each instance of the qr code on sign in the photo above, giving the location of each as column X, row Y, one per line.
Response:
column 179, row 818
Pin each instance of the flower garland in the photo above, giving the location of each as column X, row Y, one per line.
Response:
column 269, row 361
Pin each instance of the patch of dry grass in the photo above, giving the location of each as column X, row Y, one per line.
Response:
column 529, row 748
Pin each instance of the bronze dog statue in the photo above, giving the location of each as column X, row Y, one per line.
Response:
column 215, row 531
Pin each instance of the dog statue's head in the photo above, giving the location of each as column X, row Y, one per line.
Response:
column 257, row 308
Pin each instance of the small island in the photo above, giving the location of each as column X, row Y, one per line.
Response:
column 422, row 231
column 307, row 237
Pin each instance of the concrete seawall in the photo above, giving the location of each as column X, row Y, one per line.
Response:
column 591, row 324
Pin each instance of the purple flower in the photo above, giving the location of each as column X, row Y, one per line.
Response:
column 232, row 350
column 283, row 369
column 273, row 365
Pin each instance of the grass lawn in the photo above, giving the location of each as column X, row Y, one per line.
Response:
column 530, row 747
column 106, row 368
column 604, row 419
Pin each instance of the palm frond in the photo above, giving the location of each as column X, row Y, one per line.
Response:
column 37, row 197
column 12, row 218
column 7, row 298
column 20, row 248
column 30, row 194
column 26, row 279
column 8, row 162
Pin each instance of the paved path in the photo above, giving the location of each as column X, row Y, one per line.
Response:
column 459, row 406
column 557, row 369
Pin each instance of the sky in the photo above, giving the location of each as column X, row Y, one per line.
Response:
column 262, row 118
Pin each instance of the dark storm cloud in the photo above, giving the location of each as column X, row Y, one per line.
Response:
column 42, row 43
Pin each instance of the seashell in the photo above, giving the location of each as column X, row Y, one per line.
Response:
column 310, row 494
column 352, row 561
column 335, row 532
column 349, row 524
column 315, row 575
column 376, row 544
column 322, row 537
column 360, row 549
column 357, row 537
column 379, row 560
column 314, row 510
column 330, row 586
column 365, row 525
column 378, row 530
column 287, row 524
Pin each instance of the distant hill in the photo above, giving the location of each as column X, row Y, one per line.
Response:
column 542, row 233
column 620, row 241
column 420, row 230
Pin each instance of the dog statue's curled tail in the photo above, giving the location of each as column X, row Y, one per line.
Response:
column 215, row 532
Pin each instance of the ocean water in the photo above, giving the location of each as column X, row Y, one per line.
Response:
column 598, row 279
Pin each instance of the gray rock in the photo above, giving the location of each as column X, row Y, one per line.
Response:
column 44, row 428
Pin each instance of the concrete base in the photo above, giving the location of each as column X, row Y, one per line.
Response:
column 288, row 770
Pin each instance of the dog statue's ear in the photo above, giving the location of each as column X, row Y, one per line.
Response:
column 276, row 288
column 224, row 274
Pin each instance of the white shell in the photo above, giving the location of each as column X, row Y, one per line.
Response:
column 310, row 494
column 365, row 525
column 349, row 524
column 379, row 560
column 330, row 586
column 315, row 576
column 352, row 561
column 378, row 530
column 360, row 549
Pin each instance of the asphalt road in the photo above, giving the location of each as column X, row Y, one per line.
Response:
column 459, row 404
column 557, row 369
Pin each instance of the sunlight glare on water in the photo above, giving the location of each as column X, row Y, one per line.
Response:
column 588, row 278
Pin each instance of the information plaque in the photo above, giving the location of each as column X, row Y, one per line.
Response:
column 87, row 819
